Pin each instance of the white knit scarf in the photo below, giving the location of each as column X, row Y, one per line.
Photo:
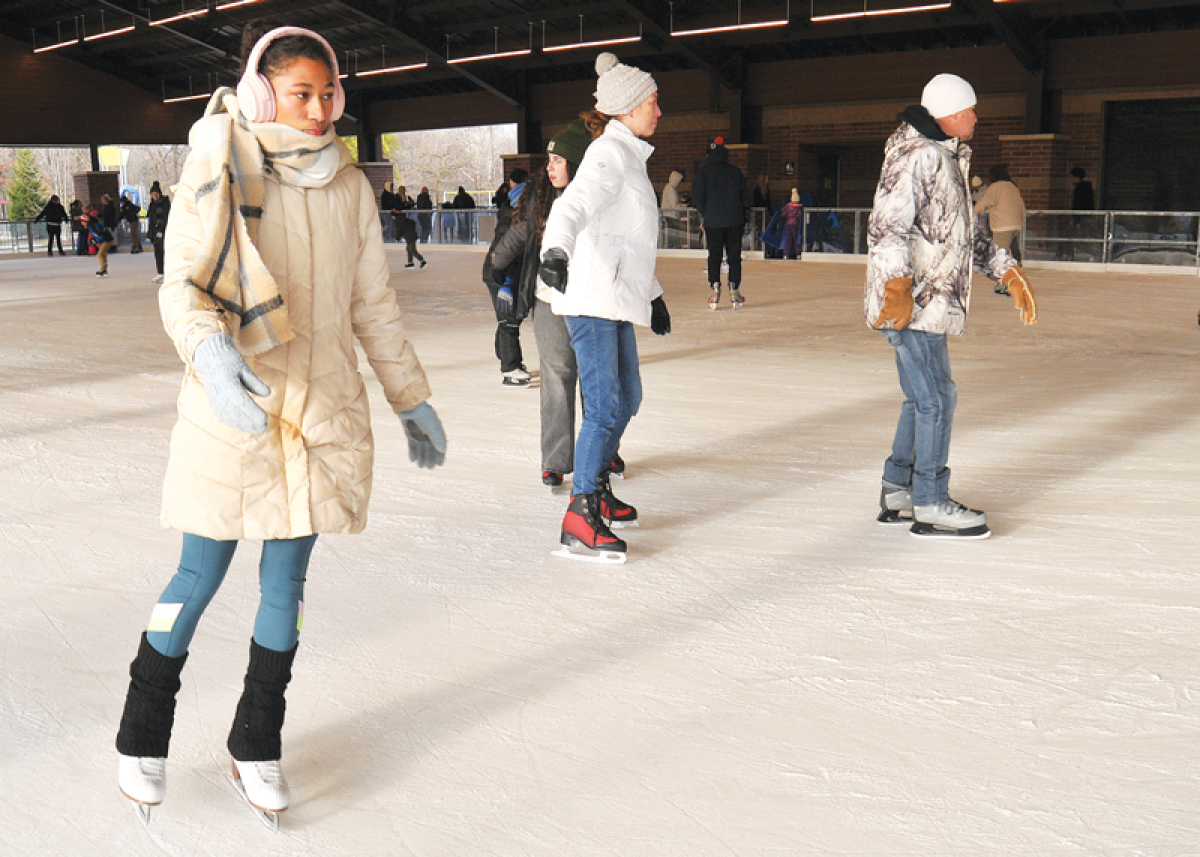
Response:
column 226, row 165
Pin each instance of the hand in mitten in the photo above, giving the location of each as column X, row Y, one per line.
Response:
column 504, row 297
column 226, row 379
column 553, row 271
column 1017, row 283
column 897, row 304
column 426, row 438
column 660, row 319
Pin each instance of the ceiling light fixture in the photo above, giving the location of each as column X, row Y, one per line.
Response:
column 61, row 43
column 758, row 25
column 233, row 4
column 184, row 13
column 873, row 13
column 497, row 54
column 104, row 34
column 582, row 44
column 385, row 69
column 191, row 96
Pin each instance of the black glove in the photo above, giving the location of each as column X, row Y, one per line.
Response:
column 660, row 319
column 553, row 271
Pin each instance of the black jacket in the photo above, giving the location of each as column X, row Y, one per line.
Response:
column 108, row 215
column 424, row 203
column 1083, row 198
column 129, row 211
column 719, row 191
column 157, row 214
column 53, row 213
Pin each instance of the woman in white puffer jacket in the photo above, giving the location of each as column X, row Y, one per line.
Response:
column 599, row 251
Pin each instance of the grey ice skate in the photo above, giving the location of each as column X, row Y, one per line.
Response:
column 895, row 504
column 949, row 519
column 735, row 297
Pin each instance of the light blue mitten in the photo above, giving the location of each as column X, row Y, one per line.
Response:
column 226, row 379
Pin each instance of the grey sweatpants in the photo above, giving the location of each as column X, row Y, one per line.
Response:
column 560, row 378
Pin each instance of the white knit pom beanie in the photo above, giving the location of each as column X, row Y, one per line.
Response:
column 946, row 95
column 621, row 87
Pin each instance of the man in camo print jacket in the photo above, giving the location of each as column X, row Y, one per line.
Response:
column 921, row 248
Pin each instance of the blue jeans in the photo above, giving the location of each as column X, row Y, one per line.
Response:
column 610, row 382
column 202, row 567
column 921, row 447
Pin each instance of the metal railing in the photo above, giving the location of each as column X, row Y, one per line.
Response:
column 1168, row 238
column 25, row 236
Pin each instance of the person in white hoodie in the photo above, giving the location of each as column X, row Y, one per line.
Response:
column 598, row 252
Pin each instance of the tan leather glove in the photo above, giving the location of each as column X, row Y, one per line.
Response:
column 1017, row 283
column 897, row 304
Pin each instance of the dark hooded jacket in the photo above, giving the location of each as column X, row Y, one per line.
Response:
column 719, row 191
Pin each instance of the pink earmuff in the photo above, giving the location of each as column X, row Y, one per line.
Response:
column 256, row 97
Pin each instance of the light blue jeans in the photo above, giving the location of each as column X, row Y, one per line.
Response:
column 921, row 447
column 202, row 567
column 610, row 382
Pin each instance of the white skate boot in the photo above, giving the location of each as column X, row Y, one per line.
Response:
column 949, row 519
column 264, row 787
column 893, row 500
column 735, row 297
column 715, row 298
column 142, row 779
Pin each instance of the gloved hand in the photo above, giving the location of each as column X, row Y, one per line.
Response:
column 660, row 319
column 505, row 298
column 897, row 303
column 1017, row 283
column 426, row 439
column 226, row 379
column 553, row 271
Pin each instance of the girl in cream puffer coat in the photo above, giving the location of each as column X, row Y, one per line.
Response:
column 275, row 268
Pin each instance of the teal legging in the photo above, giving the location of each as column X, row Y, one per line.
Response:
column 202, row 567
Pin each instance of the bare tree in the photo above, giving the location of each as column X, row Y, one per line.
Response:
column 149, row 164
column 445, row 158
column 58, row 165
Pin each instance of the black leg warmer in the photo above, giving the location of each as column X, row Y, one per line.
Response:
column 150, row 704
column 258, row 723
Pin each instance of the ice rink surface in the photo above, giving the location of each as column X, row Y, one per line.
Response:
column 771, row 673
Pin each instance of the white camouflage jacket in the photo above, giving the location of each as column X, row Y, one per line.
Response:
column 922, row 227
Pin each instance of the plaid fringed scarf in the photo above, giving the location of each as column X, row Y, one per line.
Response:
column 225, row 166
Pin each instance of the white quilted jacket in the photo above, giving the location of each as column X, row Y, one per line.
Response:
column 607, row 223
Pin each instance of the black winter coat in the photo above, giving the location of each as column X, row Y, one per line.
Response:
column 719, row 191
column 157, row 214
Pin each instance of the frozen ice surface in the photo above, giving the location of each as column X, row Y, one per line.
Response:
column 771, row 673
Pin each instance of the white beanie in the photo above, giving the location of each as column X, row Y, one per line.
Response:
column 946, row 95
column 621, row 87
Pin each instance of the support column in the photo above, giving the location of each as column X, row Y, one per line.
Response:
column 1039, row 167
column 1035, row 96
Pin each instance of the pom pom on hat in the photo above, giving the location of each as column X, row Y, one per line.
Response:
column 620, row 87
column 946, row 95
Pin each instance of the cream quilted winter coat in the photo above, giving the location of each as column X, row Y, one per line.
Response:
column 310, row 472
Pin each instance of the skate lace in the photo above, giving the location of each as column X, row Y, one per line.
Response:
column 270, row 773
column 152, row 767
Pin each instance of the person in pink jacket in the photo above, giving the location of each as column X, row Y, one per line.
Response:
column 274, row 271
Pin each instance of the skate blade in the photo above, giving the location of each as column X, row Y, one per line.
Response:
column 931, row 531
column 141, row 810
column 622, row 525
column 605, row 556
column 269, row 819
column 893, row 516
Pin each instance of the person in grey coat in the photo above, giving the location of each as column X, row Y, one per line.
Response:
column 719, row 194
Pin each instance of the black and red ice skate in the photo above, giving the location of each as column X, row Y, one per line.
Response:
column 612, row 510
column 586, row 536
